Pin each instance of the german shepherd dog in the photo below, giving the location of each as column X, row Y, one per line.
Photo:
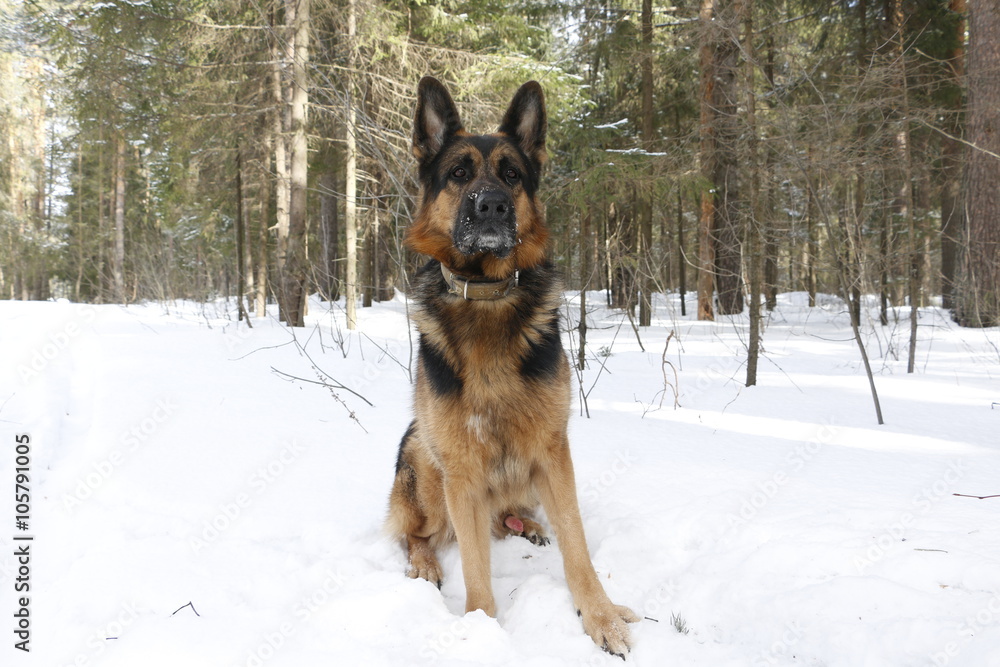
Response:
column 488, row 440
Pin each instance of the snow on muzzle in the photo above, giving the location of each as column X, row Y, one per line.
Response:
column 486, row 223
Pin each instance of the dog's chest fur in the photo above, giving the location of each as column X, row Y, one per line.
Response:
column 487, row 363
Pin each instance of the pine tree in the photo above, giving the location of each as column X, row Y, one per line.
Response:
column 978, row 299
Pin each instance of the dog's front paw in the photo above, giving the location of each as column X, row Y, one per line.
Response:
column 607, row 625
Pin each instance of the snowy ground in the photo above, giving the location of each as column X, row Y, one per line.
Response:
column 192, row 506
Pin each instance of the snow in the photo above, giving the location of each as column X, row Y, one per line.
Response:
column 617, row 123
column 191, row 506
column 633, row 151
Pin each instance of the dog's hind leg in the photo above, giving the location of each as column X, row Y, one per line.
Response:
column 412, row 517
column 520, row 524
column 423, row 561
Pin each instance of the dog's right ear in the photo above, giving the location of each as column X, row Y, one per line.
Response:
column 435, row 121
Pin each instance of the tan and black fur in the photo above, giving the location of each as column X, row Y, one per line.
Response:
column 488, row 441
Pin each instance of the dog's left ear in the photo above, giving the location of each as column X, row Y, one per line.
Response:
column 525, row 121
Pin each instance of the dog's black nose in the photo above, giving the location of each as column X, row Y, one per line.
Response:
column 492, row 205
column 486, row 222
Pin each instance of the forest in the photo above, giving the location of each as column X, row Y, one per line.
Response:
column 210, row 360
column 733, row 149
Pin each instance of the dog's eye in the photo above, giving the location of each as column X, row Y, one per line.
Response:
column 511, row 175
column 458, row 172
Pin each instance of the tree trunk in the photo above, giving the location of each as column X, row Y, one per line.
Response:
column 295, row 273
column 645, row 253
column 38, row 271
column 263, row 237
column 978, row 298
column 351, row 177
column 771, row 231
column 280, row 159
column 621, row 252
column 79, row 226
column 884, row 234
column 905, row 197
column 755, row 227
column 706, row 238
column 581, row 353
column 952, row 210
column 102, row 222
column 119, row 257
column 249, row 265
column 566, row 251
column 728, row 214
column 952, row 215
column 811, row 244
column 385, row 283
column 240, row 232
column 329, row 230
column 847, row 282
column 681, row 259
column 771, row 249
column 367, row 258
column 863, row 176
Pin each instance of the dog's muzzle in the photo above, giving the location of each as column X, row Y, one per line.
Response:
column 486, row 223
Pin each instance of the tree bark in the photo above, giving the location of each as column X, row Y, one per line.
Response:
column 905, row 201
column 754, row 226
column 280, row 159
column 367, row 258
column 382, row 265
column 621, row 253
column 978, row 297
column 119, row 256
column 681, row 259
column 79, row 225
column 811, row 245
column 771, row 231
column 884, row 233
column 295, row 273
column 351, row 177
column 728, row 197
column 952, row 210
column 240, row 232
column 847, row 282
column 263, row 236
column 645, row 254
column 706, row 238
column 39, row 274
column 102, row 223
column 952, row 216
column 585, row 223
column 329, row 223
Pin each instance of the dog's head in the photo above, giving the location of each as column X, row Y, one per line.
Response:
column 478, row 212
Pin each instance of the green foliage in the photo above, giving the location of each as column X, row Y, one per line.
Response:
column 187, row 83
column 483, row 26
